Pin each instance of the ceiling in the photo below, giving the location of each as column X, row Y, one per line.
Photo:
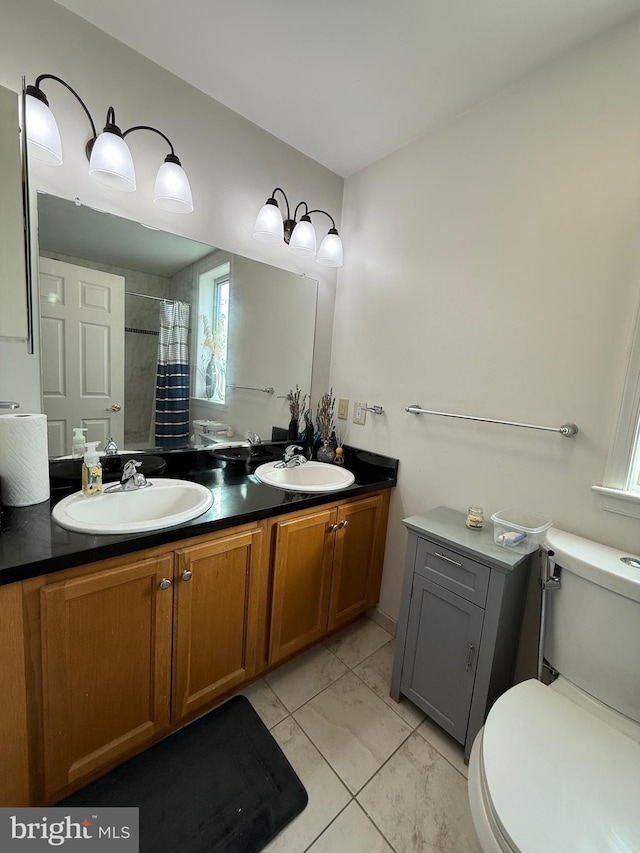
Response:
column 349, row 81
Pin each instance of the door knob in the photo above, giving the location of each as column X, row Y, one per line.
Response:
column 115, row 408
column 165, row 583
column 186, row 575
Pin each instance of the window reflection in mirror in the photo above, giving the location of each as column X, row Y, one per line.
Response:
column 263, row 316
column 213, row 325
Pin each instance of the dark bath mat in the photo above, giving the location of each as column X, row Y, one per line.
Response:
column 220, row 785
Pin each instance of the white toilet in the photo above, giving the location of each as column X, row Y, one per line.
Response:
column 556, row 769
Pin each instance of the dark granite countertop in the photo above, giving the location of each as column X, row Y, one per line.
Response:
column 32, row 544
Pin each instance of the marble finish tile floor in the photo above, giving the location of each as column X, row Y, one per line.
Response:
column 381, row 777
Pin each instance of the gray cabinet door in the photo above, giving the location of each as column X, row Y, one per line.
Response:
column 441, row 650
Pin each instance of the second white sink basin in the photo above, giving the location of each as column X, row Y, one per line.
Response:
column 310, row 477
column 163, row 504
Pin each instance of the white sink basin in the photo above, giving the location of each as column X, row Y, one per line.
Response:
column 310, row 477
column 163, row 504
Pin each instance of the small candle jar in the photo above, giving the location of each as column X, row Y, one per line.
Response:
column 475, row 517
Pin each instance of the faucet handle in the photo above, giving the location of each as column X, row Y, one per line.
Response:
column 290, row 451
column 130, row 469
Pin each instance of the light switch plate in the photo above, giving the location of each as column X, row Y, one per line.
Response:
column 343, row 408
column 359, row 413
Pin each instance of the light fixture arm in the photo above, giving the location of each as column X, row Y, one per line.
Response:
column 36, row 92
column 286, row 200
column 170, row 158
column 288, row 223
column 306, row 210
column 333, row 222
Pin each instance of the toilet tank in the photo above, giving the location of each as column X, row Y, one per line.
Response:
column 593, row 621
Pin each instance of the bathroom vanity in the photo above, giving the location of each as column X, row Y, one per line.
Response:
column 459, row 625
column 117, row 641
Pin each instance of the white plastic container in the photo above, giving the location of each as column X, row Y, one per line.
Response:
column 519, row 530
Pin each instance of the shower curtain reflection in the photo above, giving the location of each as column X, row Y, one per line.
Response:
column 172, row 386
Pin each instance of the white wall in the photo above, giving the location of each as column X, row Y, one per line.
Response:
column 491, row 268
column 233, row 165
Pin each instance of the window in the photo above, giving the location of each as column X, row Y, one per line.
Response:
column 620, row 492
column 210, row 360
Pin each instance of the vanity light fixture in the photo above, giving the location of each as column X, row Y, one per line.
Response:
column 299, row 234
column 110, row 160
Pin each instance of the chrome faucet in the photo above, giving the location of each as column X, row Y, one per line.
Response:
column 131, row 479
column 111, row 448
column 292, row 456
column 253, row 438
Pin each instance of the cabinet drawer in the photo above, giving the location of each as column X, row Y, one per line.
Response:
column 453, row 571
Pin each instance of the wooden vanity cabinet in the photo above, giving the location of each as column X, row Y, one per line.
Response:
column 14, row 749
column 327, row 566
column 121, row 652
column 220, row 603
column 106, row 673
column 133, row 646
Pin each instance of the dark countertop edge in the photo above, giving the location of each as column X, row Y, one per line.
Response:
column 486, row 550
column 97, row 548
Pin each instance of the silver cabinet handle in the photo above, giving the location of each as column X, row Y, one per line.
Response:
column 186, row 575
column 469, row 657
column 333, row 528
column 447, row 559
column 165, row 583
column 343, row 524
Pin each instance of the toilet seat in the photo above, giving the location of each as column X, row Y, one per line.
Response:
column 550, row 776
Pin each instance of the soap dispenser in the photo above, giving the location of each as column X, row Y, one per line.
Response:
column 92, row 470
column 78, row 442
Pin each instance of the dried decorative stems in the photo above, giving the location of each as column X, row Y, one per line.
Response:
column 295, row 406
column 325, row 415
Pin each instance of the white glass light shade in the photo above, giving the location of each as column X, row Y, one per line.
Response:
column 111, row 163
column 303, row 239
column 330, row 253
column 172, row 190
column 43, row 135
column 269, row 227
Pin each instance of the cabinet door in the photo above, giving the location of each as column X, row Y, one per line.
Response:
column 359, row 551
column 14, row 755
column 215, row 619
column 441, row 650
column 106, row 658
column 301, row 582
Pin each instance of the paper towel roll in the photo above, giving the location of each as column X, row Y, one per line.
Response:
column 24, row 459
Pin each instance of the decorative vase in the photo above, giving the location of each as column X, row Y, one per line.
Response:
column 293, row 429
column 326, row 453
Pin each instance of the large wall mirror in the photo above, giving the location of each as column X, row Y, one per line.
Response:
column 13, row 286
column 122, row 304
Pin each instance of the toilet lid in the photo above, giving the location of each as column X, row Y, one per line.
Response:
column 559, row 778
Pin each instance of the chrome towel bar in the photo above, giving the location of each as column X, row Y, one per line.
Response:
column 248, row 388
column 568, row 430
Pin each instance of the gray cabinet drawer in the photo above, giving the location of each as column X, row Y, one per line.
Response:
column 453, row 571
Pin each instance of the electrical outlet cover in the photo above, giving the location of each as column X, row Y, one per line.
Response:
column 343, row 408
column 359, row 413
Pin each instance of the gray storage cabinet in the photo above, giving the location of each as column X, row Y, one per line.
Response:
column 459, row 624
